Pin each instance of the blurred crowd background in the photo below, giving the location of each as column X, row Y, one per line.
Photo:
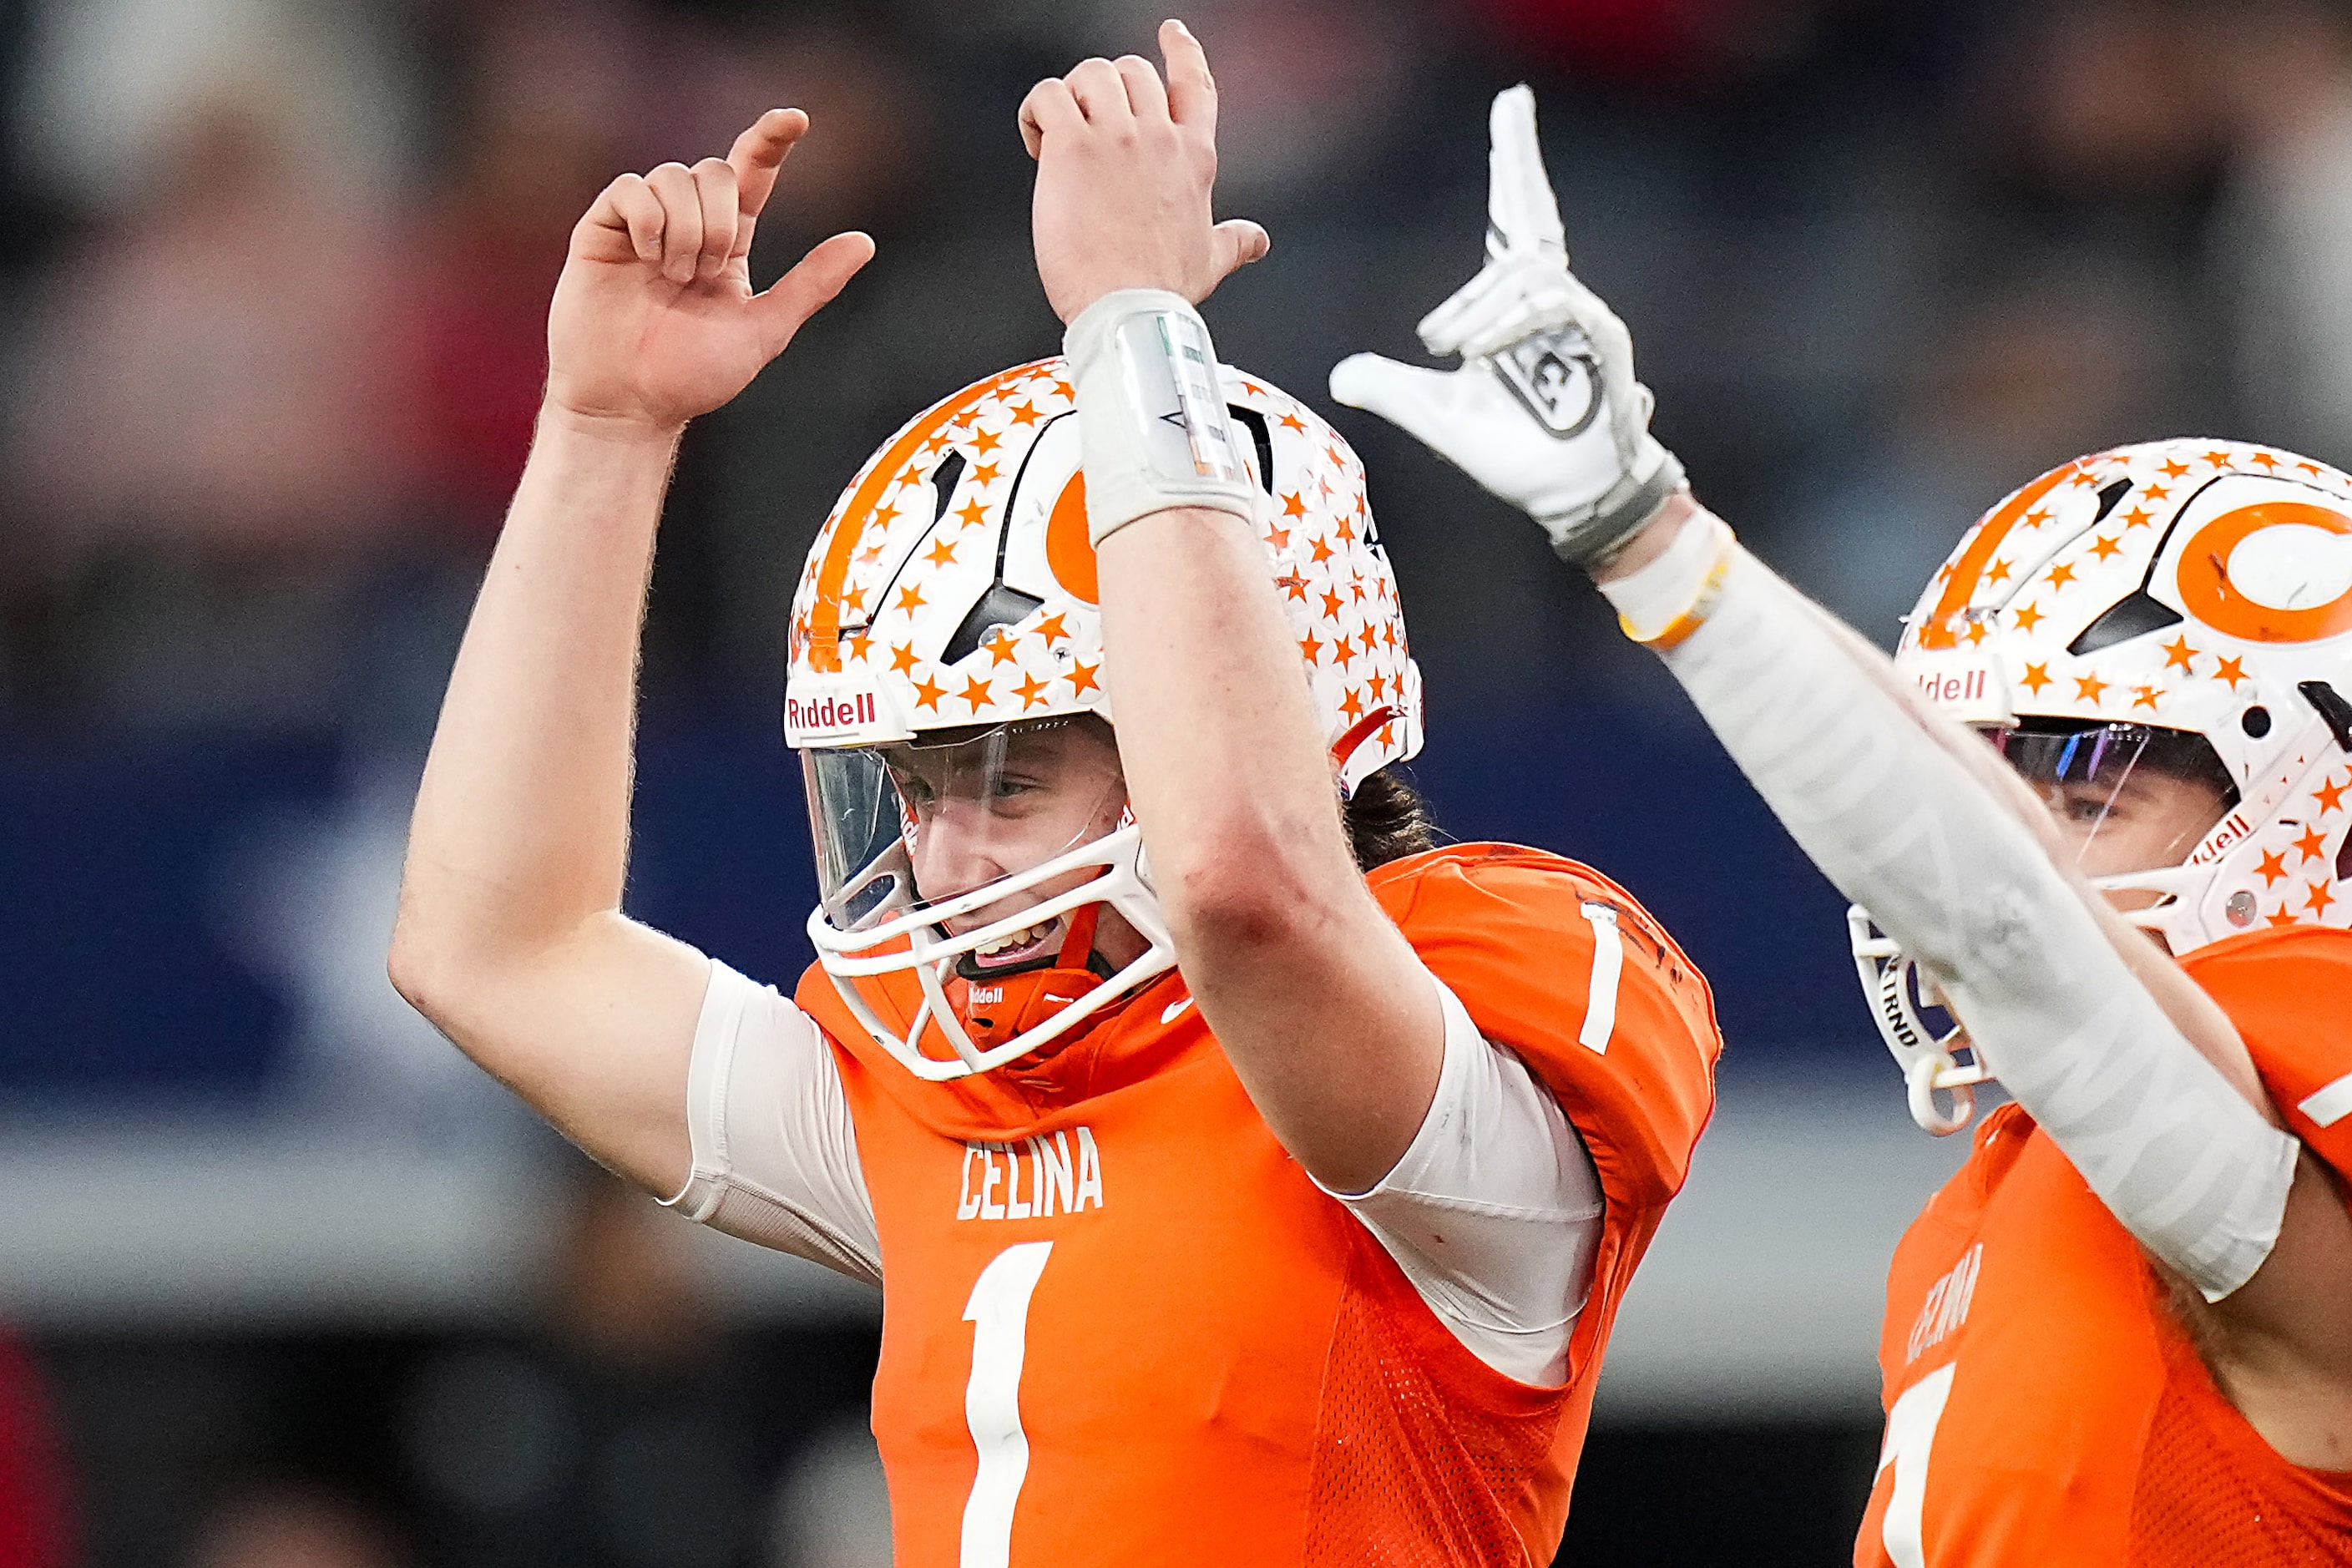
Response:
column 296, row 1288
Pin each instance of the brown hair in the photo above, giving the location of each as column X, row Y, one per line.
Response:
column 1387, row 820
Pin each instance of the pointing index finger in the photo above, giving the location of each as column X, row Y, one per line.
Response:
column 760, row 152
column 1191, row 91
column 1520, row 207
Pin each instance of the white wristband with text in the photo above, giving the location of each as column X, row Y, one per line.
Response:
column 1153, row 429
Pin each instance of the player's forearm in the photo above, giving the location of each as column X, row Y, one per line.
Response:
column 1899, row 824
column 1272, row 924
column 522, row 825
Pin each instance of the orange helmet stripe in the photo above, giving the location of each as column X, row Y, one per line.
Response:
column 833, row 571
column 1936, row 630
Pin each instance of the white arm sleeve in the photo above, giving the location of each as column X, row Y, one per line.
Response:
column 1495, row 1211
column 2175, row 1153
column 776, row 1152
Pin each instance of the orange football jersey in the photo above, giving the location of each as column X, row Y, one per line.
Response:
column 1122, row 1325
column 2044, row 1404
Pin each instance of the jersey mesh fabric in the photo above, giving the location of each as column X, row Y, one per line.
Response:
column 2081, row 1429
column 2213, row 1494
column 1409, row 1473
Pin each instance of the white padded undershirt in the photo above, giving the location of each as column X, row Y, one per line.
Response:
column 1494, row 1212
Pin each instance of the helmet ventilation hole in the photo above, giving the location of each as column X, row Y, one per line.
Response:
column 2255, row 721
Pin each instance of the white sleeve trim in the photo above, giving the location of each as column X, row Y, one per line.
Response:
column 1495, row 1210
column 776, row 1148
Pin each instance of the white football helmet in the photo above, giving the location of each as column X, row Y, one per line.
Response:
column 2184, row 606
column 946, row 620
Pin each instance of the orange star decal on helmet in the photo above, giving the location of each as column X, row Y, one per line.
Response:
column 1996, row 572
column 1347, row 532
column 2174, row 468
column 2155, row 492
column 856, row 515
column 2106, row 549
column 1975, row 631
column 975, row 693
column 2313, row 843
column 2146, row 696
column 1000, row 646
column 2330, row 796
column 2232, row 670
column 1052, row 629
column 1032, row 691
column 1310, row 648
column 2308, row 466
column 1294, row 504
column 859, row 643
column 1277, row 539
column 2318, row 899
column 854, row 602
column 928, row 695
column 1024, row 413
column 2281, row 918
column 2219, row 460
column 2035, row 677
column 940, row 553
column 970, row 512
column 1082, row 679
column 1322, row 552
column 2087, row 688
column 1292, row 422
column 986, row 441
column 2177, row 653
column 1379, row 686
column 2027, row 617
column 2272, row 869
column 2036, row 518
column 1292, row 584
column 884, row 516
column 910, row 598
column 984, row 475
column 2265, row 459
column 902, row 659
column 2139, row 517
column 2060, row 574
column 1353, row 706
column 1332, row 604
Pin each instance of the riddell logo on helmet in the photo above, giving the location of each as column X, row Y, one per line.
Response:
column 1957, row 686
column 829, row 712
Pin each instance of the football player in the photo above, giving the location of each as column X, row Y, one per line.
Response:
column 1246, row 1181
column 2122, row 1332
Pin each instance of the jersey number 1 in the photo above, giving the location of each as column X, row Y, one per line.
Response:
column 1910, row 1434
column 998, row 1315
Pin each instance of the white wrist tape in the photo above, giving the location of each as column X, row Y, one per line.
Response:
column 1667, row 600
column 1153, row 430
column 2175, row 1153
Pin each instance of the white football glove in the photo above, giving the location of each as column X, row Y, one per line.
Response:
column 1544, row 411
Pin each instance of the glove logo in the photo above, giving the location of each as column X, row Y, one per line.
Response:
column 1555, row 377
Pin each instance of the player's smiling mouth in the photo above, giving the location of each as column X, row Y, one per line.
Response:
column 1019, row 947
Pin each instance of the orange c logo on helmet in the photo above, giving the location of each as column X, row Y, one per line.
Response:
column 2209, row 592
column 1069, row 553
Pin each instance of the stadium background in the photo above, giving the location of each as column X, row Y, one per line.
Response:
column 299, row 1288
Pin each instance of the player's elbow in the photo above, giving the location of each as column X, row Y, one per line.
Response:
column 424, row 969
column 1250, row 889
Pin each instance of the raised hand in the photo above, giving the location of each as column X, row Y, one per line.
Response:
column 1544, row 411
column 1125, row 164
column 653, row 320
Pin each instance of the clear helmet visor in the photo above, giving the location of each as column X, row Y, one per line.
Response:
column 999, row 869
column 2128, row 798
column 917, row 827
column 2134, row 802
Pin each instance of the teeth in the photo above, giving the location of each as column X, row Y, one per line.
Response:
column 1018, row 938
